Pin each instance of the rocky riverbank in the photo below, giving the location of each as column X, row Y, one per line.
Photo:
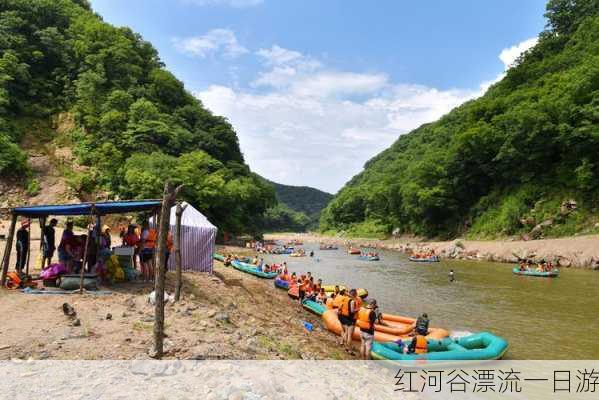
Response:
column 576, row 252
column 228, row 315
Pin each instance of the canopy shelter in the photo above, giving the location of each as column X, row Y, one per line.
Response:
column 91, row 209
column 103, row 208
column 198, row 236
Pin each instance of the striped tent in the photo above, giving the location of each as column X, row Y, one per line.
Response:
column 197, row 240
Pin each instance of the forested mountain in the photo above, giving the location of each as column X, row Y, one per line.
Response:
column 503, row 163
column 298, row 208
column 134, row 124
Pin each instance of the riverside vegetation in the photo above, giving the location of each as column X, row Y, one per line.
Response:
column 133, row 124
column 502, row 164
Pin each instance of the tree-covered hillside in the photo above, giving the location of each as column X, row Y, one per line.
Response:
column 503, row 163
column 298, row 208
column 135, row 124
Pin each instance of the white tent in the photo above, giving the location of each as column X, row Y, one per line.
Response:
column 197, row 240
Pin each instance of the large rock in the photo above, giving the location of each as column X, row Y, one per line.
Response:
column 564, row 262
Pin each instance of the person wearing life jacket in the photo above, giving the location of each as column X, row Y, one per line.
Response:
column 303, row 287
column 367, row 317
column 149, row 239
column 358, row 303
column 321, row 297
column 419, row 345
column 420, row 327
column 354, row 305
column 346, row 317
column 337, row 297
column 318, row 286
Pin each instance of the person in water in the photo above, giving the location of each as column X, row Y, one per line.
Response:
column 451, row 276
column 311, row 253
column 420, row 327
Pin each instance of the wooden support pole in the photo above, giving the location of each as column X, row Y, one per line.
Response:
column 28, row 248
column 7, row 249
column 179, row 273
column 168, row 200
column 42, row 221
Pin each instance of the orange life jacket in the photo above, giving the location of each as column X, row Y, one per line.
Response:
column 345, row 306
column 329, row 303
column 151, row 239
column 337, row 301
column 363, row 319
column 357, row 306
column 421, row 344
column 169, row 243
column 13, row 280
column 304, row 285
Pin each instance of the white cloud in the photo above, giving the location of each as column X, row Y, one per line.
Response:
column 277, row 55
column 214, row 41
column 232, row 3
column 301, row 123
column 322, row 142
column 508, row 57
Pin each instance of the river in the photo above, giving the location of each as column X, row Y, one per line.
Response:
column 541, row 318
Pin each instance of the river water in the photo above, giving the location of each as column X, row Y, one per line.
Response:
column 541, row 318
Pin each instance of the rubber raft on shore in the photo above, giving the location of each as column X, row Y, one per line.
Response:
column 440, row 347
column 478, row 346
column 398, row 326
column 425, row 259
column 281, row 283
column 540, row 274
column 252, row 269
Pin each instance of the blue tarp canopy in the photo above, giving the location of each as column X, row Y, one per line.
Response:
column 103, row 208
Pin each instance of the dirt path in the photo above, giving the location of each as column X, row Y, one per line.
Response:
column 230, row 315
column 578, row 251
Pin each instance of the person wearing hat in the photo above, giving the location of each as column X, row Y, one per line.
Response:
column 367, row 317
column 22, row 245
column 49, row 243
column 105, row 239
column 420, row 327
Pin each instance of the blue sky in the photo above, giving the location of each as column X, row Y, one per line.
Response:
column 316, row 88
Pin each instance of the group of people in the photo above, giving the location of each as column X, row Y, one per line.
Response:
column 427, row 254
column 92, row 249
column 353, row 311
column 144, row 241
column 543, row 266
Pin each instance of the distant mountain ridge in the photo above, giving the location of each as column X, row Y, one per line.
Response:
column 304, row 199
column 298, row 207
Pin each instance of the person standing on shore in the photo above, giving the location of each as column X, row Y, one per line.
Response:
column 451, row 276
column 346, row 317
column 367, row 317
column 49, row 242
column 22, row 245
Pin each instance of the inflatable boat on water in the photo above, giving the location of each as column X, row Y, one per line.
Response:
column 540, row 274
